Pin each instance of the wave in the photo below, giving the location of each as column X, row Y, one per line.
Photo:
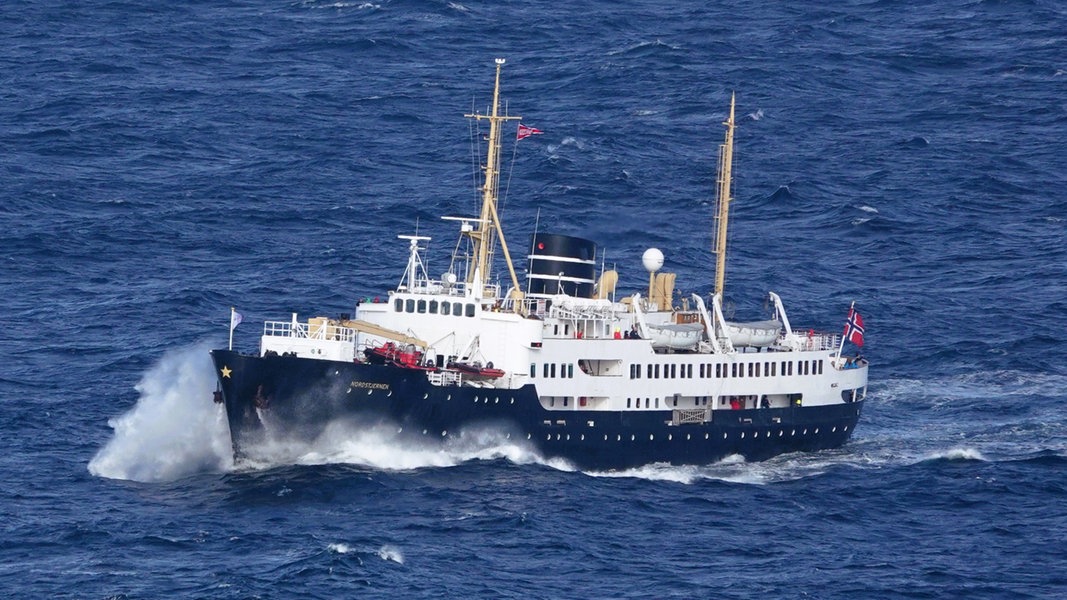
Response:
column 384, row 448
column 174, row 430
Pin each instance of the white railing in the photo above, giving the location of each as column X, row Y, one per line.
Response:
column 324, row 331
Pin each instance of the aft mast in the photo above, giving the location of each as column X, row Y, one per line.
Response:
column 726, row 159
column 489, row 223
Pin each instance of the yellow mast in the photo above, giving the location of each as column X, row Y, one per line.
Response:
column 489, row 221
column 726, row 159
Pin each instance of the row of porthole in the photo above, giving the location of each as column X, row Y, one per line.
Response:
column 670, row 437
column 477, row 399
column 651, row 436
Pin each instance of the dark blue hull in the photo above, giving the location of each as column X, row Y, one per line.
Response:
column 307, row 394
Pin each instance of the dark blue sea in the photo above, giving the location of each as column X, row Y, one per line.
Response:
column 163, row 161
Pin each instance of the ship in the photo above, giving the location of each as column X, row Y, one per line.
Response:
column 561, row 364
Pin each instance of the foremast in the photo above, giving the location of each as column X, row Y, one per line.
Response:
column 489, row 223
column 726, row 159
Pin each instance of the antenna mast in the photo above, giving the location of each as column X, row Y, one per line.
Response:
column 726, row 159
column 489, row 222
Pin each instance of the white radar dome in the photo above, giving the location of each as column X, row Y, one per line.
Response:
column 652, row 259
column 448, row 279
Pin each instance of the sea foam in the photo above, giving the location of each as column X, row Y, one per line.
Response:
column 174, row 430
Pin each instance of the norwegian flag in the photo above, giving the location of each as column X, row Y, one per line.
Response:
column 525, row 132
column 854, row 327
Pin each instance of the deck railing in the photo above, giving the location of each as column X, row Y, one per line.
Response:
column 322, row 331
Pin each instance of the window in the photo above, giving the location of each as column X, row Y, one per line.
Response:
column 553, row 370
column 409, row 306
column 750, row 369
column 398, row 305
column 657, row 375
column 570, row 371
column 546, row 369
column 702, row 371
column 433, row 307
column 757, row 370
column 649, row 372
column 422, row 307
column 470, row 310
column 627, row 403
column 533, row 366
column 446, row 308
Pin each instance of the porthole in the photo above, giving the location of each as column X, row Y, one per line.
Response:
column 845, row 428
column 444, row 433
column 529, row 435
column 513, row 401
column 670, row 437
column 425, row 396
column 651, row 437
column 568, row 437
column 369, row 392
column 507, row 436
column 448, row 397
column 742, row 435
column 476, row 398
column 780, row 432
column 389, row 393
column 688, row 436
column 834, row 430
column 400, row 430
column 816, row 431
column 633, row 438
column 805, row 432
column 423, row 432
column 558, row 437
column 582, row 438
column 496, row 400
column 618, row 438
column 706, row 435
column 548, row 437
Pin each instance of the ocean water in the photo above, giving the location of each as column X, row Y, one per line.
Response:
column 162, row 162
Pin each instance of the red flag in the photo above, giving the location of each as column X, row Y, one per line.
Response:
column 525, row 132
column 854, row 327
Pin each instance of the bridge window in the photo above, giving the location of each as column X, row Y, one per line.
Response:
column 409, row 306
column 446, row 308
column 470, row 310
column 422, row 307
column 433, row 307
column 398, row 305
